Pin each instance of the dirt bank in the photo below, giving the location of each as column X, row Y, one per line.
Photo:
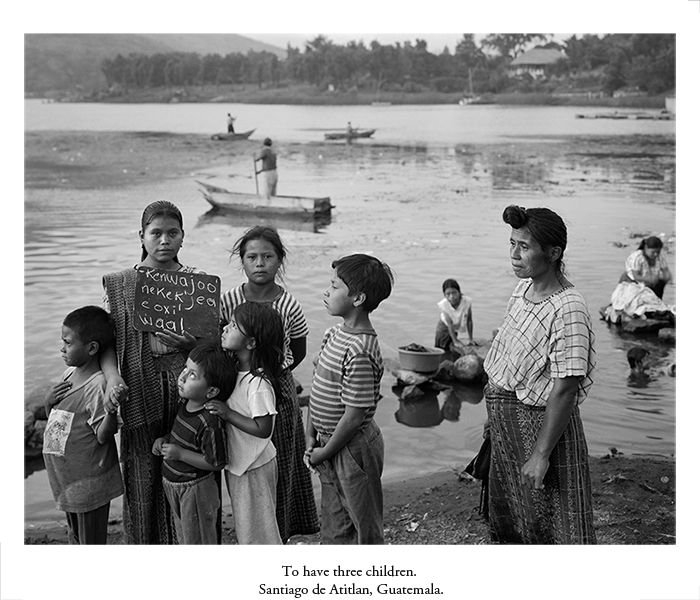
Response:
column 633, row 499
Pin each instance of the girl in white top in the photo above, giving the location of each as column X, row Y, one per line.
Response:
column 256, row 335
column 455, row 318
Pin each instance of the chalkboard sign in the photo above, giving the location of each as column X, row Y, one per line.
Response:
column 176, row 301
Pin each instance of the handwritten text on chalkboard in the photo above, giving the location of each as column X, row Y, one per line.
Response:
column 176, row 301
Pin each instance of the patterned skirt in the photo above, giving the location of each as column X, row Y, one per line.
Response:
column 147, row 517
column 296, row 508
column 562, row 512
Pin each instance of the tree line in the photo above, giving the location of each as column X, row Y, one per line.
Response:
column 606, row 62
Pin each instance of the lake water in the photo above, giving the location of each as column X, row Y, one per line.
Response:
column 425, row 195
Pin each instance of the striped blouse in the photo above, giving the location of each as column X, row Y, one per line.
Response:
column 288, row 307
column 542, row 341
column 348, row 373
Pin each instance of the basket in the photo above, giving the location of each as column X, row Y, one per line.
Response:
column 422, row 362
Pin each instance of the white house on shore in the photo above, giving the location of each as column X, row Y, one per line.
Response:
column 535, row 62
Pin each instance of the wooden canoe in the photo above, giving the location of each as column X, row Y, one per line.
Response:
column 223, row 199
column 344, row 135
column 229, row 137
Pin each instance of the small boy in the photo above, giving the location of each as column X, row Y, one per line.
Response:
column 195, row 448
column 341, row 433
column 638, row 360
column 79, row 449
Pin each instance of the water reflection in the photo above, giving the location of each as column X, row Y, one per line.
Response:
column 312, row 224
column 430, row 403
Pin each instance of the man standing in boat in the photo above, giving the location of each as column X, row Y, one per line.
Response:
column 229, row 122
column 268, row 168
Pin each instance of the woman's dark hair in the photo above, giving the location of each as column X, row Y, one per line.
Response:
column 159, row 208
column 651, row 242
column 263, row 323
column 545, row 226
column 261, row 232
column 450, row 283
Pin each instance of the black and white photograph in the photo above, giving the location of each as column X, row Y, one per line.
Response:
column 411, row 291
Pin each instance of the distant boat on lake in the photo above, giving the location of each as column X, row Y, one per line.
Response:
column 229, row 137
column 345, row 135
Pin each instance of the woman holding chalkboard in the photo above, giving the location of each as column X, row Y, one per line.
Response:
column 150, row 364
column 262, row 255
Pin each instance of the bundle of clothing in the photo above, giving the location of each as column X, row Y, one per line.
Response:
column 635, row 300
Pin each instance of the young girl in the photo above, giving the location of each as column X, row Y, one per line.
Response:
column 255, row 335
column 150, row 364
column 262, row 255
column 455, row 318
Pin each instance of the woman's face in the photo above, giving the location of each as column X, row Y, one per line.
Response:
column 162, row 240
column 527, row 257
column 651, row 253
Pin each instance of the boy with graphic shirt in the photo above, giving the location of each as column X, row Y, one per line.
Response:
column 80, row 453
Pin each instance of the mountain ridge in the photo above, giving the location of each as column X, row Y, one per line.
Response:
column 65, row 61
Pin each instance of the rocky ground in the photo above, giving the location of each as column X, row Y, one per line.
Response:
column 633, row 498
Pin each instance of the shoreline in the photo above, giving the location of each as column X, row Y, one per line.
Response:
column 633, row 503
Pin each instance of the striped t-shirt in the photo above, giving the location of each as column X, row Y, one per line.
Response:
column 200, row 432
column 542, row 341
column 288, row 307
column 348, row 373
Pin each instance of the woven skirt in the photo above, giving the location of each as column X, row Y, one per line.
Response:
column 296, row 508
column 562, row 512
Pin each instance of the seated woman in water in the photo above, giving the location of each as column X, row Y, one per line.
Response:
column 648, row 266
column 455, row 318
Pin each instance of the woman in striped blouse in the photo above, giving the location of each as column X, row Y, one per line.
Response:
column 539, row 368
column 262, row 255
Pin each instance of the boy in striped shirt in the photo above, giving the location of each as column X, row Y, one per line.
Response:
column 344, row 445
column 195, row 448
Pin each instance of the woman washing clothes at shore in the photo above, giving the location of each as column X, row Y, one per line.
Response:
column 539, row 368
column 640, row 289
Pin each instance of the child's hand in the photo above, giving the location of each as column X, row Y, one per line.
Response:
column 314, row 456
column 118, row 392
column 170, row 451
column 217, row 407
column 307, row 460
column 57, row 393
column 111, row 406
column 186, row 341
column 157, row 447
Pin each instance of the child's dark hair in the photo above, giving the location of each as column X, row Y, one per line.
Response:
column 450, row 283
column 264, row 324
column 159, row 208
column 260, row 232
column 365, row 274
column 91, row 324
column 219, row 367
column 546, row 226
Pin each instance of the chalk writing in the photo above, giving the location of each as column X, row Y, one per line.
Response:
column 176, row 302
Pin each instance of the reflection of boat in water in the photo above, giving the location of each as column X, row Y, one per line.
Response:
column 230, row 137
column 344, row 135
column 308, row 223
column 223, row 199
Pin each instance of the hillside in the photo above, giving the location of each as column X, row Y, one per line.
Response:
column 72, row 61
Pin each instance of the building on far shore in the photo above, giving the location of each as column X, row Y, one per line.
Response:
column 535, row 62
